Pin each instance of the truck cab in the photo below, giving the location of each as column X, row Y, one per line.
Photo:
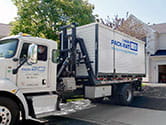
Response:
column 30, row 78
column 31, row 87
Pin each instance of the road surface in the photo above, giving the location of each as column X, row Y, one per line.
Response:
column 143, row 111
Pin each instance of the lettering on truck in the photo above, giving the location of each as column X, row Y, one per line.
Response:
column 35, row 68
column 126, row 46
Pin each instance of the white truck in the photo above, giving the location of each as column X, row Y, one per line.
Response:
column 94, row 59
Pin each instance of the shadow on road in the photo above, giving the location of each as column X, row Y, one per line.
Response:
column 149, row 103
column 58, row 120
column 138, row 102
column 145, row 102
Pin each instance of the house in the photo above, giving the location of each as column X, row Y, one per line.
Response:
column 4, row 30
column 155, row 38
column 156, row 54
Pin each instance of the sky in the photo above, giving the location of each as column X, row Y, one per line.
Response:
column 149, row 11
column 7, row 11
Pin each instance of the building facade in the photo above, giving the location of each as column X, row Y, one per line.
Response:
column 4, row 30
column 156, row 54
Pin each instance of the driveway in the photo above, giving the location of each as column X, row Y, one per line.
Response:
column 148, row 108
column 143, row 111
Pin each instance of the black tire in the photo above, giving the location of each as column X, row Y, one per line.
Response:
column 13, row 108
column 124, row 95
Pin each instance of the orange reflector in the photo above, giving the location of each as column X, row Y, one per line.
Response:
column 13, row 91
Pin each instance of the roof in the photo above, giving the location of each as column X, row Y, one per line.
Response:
column 4, row 30
column 160, row 28
column 160, row 53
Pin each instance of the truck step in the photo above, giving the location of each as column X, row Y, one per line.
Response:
column 36, row 122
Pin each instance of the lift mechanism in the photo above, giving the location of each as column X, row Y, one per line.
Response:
column 69, row 52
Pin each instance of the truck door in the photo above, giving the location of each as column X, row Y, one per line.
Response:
column 36, row 75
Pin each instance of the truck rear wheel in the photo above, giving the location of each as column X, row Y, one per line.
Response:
column 125, row 95
column 9, row 112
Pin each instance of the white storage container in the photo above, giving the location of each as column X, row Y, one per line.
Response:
column 110, row 49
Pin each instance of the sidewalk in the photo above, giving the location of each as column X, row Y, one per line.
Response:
column 153, row 90
column 154, row 84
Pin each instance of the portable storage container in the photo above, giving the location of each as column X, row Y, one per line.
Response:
column 111, row 52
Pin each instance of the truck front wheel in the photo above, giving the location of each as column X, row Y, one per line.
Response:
column 9, row 112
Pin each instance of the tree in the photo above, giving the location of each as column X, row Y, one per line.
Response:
column 44, row 17
column 129, row 25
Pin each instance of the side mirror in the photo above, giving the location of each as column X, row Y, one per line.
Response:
column 32, row 54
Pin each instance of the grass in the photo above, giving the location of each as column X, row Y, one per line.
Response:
column 77, row 99
column 144, row 84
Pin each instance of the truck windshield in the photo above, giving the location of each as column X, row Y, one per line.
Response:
column 8, row 48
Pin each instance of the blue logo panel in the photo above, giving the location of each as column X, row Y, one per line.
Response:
column 133, row 46
column 126, row 44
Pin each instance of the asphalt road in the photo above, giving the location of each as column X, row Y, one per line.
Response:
column 143, row 111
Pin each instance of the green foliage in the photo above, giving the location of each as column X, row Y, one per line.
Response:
column 43, row 17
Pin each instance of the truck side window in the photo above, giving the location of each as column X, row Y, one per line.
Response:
column 55, row 55
column 42, row 52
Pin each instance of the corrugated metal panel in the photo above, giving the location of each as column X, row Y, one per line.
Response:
column 115, row 50
column 88, row 34
column 129, row 53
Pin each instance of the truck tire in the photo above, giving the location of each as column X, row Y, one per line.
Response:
column 9, row 112
column 125, row 95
